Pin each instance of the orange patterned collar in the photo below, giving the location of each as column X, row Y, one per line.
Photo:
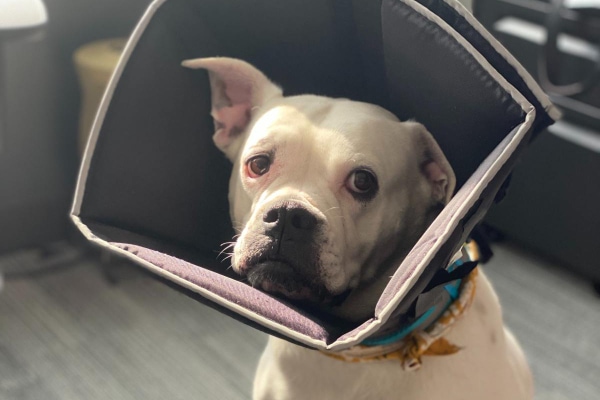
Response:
column 427, row 342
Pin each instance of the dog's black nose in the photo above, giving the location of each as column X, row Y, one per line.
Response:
column 290, row 222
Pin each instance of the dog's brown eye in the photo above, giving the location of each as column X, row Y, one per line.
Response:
column 258, row 166
column 362, row 184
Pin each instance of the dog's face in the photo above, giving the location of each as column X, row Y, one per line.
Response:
column 329, row 194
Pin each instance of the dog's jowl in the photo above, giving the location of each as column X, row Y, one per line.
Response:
column 329, row 196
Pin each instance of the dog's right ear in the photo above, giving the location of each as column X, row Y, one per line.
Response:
column 434, row 165
column 236, row 88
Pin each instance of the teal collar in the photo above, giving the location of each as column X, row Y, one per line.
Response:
column 450, row 292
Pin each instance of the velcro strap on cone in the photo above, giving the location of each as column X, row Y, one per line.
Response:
column 443, row 276
column 435, row 293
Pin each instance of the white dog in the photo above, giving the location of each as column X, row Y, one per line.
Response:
column 331, row 194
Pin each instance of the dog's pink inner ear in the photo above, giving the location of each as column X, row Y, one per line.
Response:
column 230, row 121
column 236, row 88
column 232, row 96
column 438, row 180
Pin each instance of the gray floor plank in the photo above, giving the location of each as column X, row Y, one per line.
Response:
column 556, row 317
column 80, row 338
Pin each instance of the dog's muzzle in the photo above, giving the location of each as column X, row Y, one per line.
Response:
column 287, row 262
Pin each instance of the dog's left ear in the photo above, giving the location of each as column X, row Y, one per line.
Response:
column 434, row 165
column 236, row 88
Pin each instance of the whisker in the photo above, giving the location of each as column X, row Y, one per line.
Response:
column 334, row 216
column 227, row 247
column 238, row 227
column 332, row 208
column 225, row 257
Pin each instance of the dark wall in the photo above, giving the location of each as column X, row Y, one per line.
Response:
column 40, row 100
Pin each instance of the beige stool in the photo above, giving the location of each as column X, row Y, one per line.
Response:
column 95, row 63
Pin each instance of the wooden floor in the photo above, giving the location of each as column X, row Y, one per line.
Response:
column 72, row 335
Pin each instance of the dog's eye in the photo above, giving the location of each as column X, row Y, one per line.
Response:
column 362, row 184
column 258, row 166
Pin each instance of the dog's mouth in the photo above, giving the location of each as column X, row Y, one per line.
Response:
column 277, row 276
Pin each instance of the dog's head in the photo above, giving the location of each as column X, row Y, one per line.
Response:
column 329, row 194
